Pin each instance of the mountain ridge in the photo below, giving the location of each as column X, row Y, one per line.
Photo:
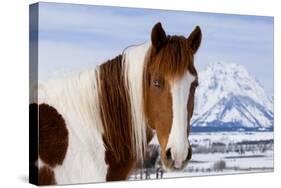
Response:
column 229, row 97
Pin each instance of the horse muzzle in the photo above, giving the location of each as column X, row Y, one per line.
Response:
column 172, row 164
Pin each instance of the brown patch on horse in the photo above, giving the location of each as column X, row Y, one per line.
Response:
column 118, row 169
column 116, row 118
column 46, row 176
column 53, row 136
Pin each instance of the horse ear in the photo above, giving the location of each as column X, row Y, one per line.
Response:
column 194, row 39
column 158, row 36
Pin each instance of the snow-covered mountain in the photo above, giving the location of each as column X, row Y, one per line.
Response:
column 228, row 97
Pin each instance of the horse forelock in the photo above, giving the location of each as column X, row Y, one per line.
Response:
column 173, row 60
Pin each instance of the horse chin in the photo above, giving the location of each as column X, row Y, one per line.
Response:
column 169, row 165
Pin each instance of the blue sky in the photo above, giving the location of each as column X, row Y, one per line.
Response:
column 74, row 37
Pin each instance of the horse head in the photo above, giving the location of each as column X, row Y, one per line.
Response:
column 170, row 81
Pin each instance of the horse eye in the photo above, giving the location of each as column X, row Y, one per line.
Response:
column 156, row 83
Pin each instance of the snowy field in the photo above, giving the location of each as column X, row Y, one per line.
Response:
column 222, row 153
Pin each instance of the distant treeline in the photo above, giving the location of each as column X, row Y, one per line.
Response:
column 229, row 129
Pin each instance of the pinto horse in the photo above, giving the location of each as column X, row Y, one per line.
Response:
column 95, row 125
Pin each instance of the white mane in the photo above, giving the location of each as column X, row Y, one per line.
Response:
column 134, row 62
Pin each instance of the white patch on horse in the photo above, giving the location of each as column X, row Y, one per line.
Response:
column 178, row 141
column 75, row 97
column 134, row 62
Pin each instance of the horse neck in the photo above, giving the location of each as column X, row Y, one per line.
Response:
column 108, row 98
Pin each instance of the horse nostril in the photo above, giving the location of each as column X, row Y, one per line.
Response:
column 168, row 154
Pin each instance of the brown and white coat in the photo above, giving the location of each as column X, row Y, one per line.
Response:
column 95, row 125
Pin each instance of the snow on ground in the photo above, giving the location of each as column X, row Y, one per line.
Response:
column 226, row 153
